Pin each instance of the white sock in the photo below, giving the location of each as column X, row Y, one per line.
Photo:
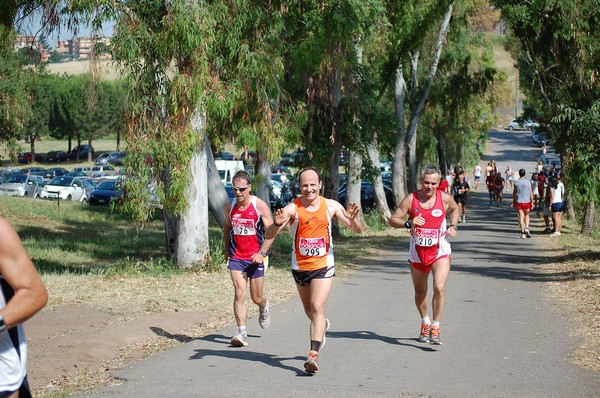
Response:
column 426, row 320
column 436, row 324
column 242, row 329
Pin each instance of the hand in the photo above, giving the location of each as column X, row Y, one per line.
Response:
column 452, row 231
column 257, row 258
column 352, row 211
column 418, row 220
column 280, row 217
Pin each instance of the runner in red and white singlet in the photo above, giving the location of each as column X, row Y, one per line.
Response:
column 246, row 248
column 428, row 242
column 429, row 248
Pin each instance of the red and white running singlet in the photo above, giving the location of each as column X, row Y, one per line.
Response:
column 428, row 242
column 312, row 247
column 247, row 231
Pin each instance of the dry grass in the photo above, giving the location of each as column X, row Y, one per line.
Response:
column 576, row 284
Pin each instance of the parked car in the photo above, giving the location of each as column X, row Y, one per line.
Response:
column 530, row 124
column 83, row 151
column 22, row 185
column 54, row 172
column 76, row 174
column 116, row 158
column 33, row 171
column 27, row 157
column 83, row 169
column 516, row 124
column 102, row 158
column 106, row 192
column 224, row 155
column 57, row 157
column 367, row 196
column 102, row 171
column 67, row 188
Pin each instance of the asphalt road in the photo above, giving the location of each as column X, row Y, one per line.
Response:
column 503, row 335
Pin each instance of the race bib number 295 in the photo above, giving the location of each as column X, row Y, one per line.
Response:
column 312, row 247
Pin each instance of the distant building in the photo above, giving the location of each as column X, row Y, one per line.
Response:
column 79, row 48
column 83, row 47
column 24, row 41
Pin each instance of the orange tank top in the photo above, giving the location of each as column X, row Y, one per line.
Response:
column 311, row 232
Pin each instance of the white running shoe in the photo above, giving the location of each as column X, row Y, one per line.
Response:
column 239, row 340
column 264, row 317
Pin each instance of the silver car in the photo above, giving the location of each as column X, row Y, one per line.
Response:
column 22, row 185
column 67, row 188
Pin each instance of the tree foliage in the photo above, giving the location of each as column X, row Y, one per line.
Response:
column 557, row 46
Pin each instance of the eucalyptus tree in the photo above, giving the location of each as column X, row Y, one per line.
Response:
column 557, row 48
column 411, row 22
column 464, row 94
column 322, row 69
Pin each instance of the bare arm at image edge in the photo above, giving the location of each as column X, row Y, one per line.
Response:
column 18, row 271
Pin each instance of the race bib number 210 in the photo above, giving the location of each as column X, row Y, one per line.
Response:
column 426, row 237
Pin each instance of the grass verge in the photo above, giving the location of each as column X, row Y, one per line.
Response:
column 576, row 284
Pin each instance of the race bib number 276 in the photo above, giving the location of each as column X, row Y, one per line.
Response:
column 243, row 226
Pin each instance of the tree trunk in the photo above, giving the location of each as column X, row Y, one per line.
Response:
column 589, row 219
column 354, row 183
column 192, row 233
column 217, row 195
column 399, row 160
column 417, row 109
column 378, row 190
column 262, row 180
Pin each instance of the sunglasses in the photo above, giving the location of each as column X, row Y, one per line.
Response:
column 240, row 189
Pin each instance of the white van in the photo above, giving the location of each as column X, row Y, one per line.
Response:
column 228, row 168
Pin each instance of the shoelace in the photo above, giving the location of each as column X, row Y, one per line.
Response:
column 425, row 329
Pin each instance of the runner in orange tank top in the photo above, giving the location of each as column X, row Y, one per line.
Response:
column 430, row 251
column 313, row 267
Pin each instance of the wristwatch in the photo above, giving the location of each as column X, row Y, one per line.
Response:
column 2, row 324
column 455, row 226
column 408, row 224
column 262, row 253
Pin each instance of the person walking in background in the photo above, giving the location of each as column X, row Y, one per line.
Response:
column 310, row 217
column 547, row 211
column 557, row 193
column 429, row 247
column 490, row 182
column 246, row 248
column 23, row 294
column 534, row 188
column 499, row 188
column 460, row 189
column 541, row 178
column 522, row 198
column 476, row 176
column 508, row 174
